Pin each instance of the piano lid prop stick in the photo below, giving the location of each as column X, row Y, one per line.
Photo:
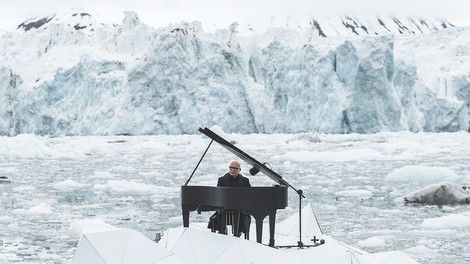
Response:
column 200, row 160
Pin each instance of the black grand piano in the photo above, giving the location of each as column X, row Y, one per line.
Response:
column 258, row 202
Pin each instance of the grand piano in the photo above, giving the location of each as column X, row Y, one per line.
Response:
column 258, row 202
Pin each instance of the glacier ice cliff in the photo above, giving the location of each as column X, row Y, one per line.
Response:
column 71, row 74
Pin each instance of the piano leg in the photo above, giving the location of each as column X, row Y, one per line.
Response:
column 185, row 218
column 259, row 217
column 259, row 229
column 236, row 223
column 223, row 222
column 246, row 224
column 272, row 222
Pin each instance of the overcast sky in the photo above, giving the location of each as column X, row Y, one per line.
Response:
column 162, row 12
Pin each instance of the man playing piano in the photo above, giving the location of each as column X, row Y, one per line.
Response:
column 220, row 219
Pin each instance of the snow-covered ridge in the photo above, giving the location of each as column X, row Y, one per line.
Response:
column 75, row 74
column 357, row 26
column 325, row 26
column 77, row 19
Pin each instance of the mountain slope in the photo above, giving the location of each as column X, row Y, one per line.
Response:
column 356, row 26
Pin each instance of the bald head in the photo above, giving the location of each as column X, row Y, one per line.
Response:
column 234, row 168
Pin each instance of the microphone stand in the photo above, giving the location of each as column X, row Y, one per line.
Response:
column 300, row 244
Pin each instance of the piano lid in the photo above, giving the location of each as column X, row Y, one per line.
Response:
column 245, row 157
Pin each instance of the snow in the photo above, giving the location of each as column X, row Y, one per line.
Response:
column 131, row 187
column 372, row 242
column 76, row 185
column 339, row 156
column 39, row 209
column 448, row 221
column 28, row 146
column 355, row 193
column 423, row 174
column 87, row 225
column 69, row 184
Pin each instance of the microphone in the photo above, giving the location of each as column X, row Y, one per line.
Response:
column 254, row 170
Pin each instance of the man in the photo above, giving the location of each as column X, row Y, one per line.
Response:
column 233, row 178
column 220, row 219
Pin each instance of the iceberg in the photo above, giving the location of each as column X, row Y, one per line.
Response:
column 441, row 194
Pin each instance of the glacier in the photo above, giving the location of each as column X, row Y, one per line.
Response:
column 71, row 74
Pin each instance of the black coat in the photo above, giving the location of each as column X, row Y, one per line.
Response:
column 229, row 181
column 216, row 222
